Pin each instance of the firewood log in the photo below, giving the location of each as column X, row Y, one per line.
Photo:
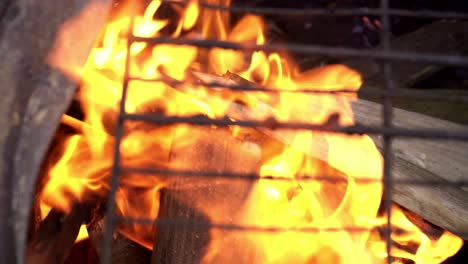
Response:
column 414, row 159
column 123, row 249
column 210, row 199
column 82, row 252
column 56, row 235
column 179, row 243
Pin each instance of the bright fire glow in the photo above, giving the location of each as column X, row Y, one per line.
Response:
column 324, row 208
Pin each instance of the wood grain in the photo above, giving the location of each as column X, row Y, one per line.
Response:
column 414, row 159
column 208, row 200
column 56, row 235
column 444, row 158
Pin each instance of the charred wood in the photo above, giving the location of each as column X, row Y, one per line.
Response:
column 124, row 250
column 174, row 241
column 56, row 235
column 442, row 161
column 432, row 231
column 207, row 200
column 83, row 252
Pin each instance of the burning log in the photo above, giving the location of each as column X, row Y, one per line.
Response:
column 215, row 150
column 56, row 235
column 179, row 243
column 425, row 161
column 432, row 231
column 123, row 249
column 82, row 252
column 413, row 159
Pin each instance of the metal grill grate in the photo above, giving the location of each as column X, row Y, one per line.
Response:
column 386, row 56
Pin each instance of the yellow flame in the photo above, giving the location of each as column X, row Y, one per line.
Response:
column 328, row 208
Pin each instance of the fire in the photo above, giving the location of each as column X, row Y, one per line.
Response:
column 320, row 221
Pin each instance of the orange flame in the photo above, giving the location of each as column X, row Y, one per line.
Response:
column 334, row 212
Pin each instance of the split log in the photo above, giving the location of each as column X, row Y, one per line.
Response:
column 433, row 232
column 56, row 235
column 123, row 249
column 34, row 96
column 414, row 159
column 442, row 205
column 211, row 200
column 425, row 161
column 179, row 243
column 82, row 252
column 444, row 158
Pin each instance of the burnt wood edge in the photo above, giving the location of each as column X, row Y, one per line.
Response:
column 123, row 249
column 179, row 243
column 441, row 205
column 56, row 235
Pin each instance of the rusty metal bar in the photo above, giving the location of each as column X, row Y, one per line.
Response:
column 163, row 222
column 394, row 93
column 335, row 52
column 151, row 171
column 329, row 11
column 110, row 220
column 387, row 112
column 274, row 124
column 389, row 132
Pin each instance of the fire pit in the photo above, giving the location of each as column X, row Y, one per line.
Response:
column 192, row 139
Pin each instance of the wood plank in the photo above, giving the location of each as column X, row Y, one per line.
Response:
column 425, row 160
column 415, row 159
column 444, row 158
column 34, row 96
column 123, row 249
column 56, row 235
column 441, row 205
column 214, row 200
column 454, row 111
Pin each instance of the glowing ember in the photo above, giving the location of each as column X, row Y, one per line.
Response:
column 320, row 221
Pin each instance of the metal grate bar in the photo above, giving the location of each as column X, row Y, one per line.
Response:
column 326, row 127
column 394, row 93
column 110, row 220
column 387, row 179
column 387, row 130
column 163, row 222
column 193, row 224
column 329, row 11
column 336, row 52
column 299, row 178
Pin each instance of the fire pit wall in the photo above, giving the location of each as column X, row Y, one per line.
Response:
column 207, row 176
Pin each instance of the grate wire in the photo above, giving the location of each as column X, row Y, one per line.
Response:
column 385, row 55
